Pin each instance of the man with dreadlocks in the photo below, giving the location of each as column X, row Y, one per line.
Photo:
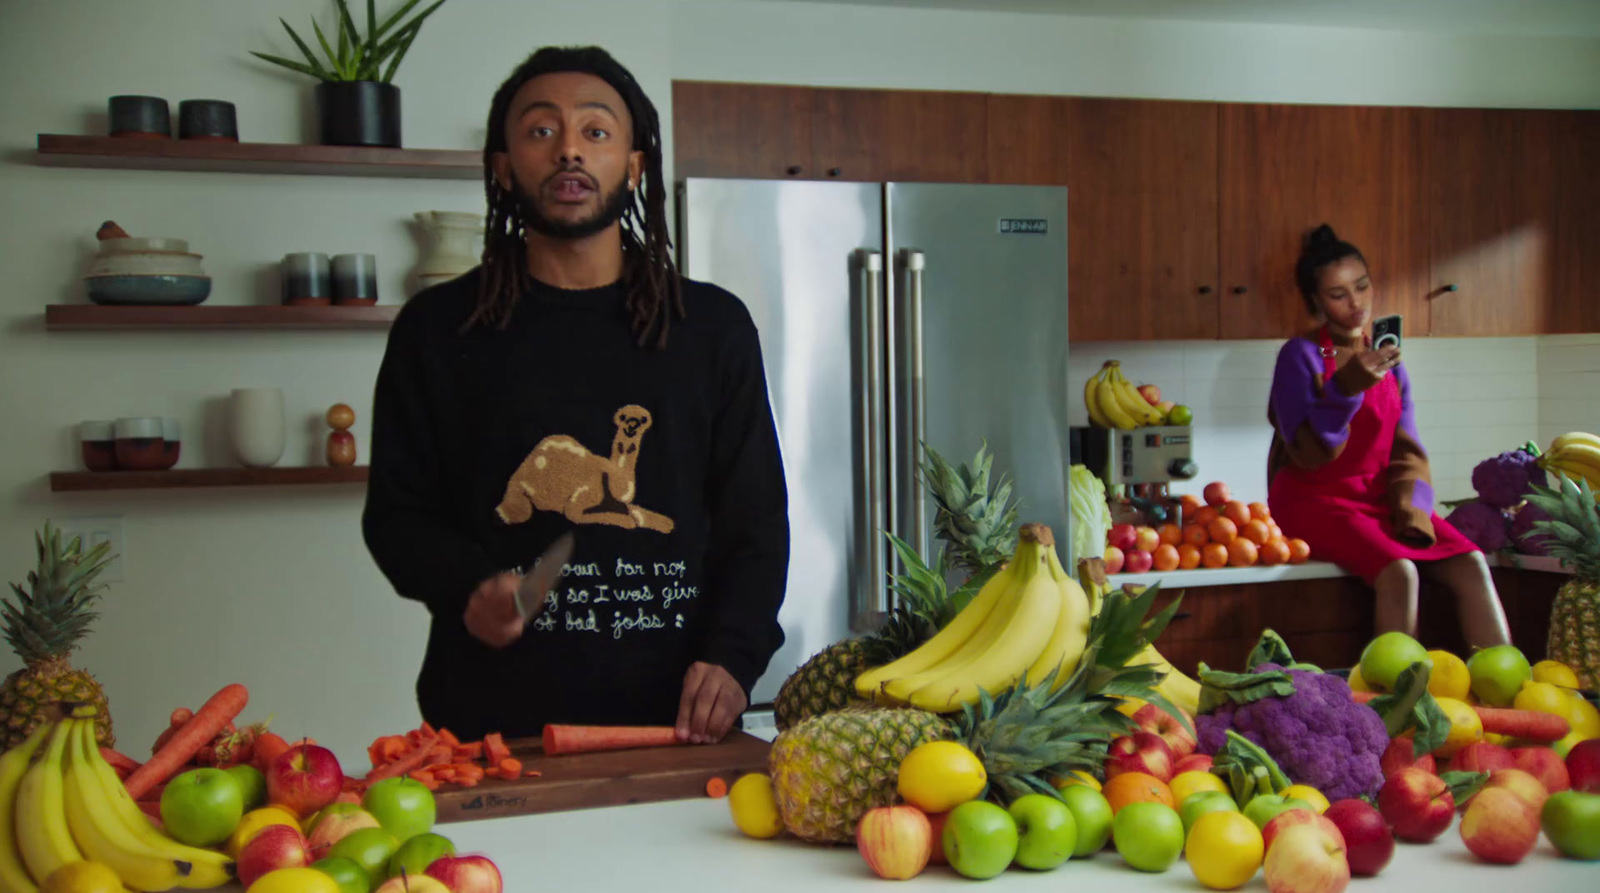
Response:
column 512, row 406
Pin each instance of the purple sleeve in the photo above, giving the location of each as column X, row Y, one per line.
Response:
column 1298, row 396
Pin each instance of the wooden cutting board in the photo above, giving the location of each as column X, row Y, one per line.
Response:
column 615, row 778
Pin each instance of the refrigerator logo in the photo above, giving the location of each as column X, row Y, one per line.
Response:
column 1024, row 226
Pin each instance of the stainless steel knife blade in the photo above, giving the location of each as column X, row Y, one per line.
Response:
column 536, row 585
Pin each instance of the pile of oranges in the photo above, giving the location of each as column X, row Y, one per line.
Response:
column 1224, row 532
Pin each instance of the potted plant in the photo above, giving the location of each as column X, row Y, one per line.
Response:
column 357, row 105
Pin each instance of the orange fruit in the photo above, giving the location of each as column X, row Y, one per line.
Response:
column 1195, row 535
column 1236, row 511
column 1276, row 551
column 1206, row 514
column 1260, row 512
column 1214, row 555
column 1191, row 504
column 1255, row 531
column 1223, row 531
column 1165, row 557
column 1275, row 530
column 1242, row 553
column 1135, row 787
column 1299, row 550
column 1171, row 534
column 1189, row 556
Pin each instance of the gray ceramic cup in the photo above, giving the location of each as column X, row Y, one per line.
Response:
column 307, row 279
column 355, row 279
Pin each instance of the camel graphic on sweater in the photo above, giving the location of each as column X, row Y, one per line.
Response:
column 561, row 475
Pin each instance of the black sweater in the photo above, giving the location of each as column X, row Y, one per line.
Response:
column 488, row 444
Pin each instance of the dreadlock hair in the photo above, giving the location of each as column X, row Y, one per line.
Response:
column 654, row 291
column 1321, row 248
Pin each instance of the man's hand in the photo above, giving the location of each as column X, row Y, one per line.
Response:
column 711, row 701
column 491, row 614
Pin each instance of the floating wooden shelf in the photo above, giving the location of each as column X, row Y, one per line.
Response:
column 259, row 158
column 250, row 316
column 72, row 481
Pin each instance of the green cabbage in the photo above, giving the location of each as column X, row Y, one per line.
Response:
column 1091, row 516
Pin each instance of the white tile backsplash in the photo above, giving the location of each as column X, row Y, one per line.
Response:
column 1569, row 385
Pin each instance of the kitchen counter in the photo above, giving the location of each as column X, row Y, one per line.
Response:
column 1310, row 570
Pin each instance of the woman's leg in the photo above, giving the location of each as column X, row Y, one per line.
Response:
column 1397, row 587
column 1483, row 618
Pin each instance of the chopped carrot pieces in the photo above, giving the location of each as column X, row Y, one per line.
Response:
column 510, row 767
column 532, row 773
column 716, row 787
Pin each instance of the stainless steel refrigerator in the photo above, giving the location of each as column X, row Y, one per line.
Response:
column 890, row 313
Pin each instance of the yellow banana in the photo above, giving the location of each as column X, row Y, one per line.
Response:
column 1065, row 648
column 1180, row 689
column 899, row 689
column 14, row 877
column 1093, row 583
column 1106, row 398
column 1097, row 416
column 100, row 834
column 42, row 834
column 1574, row 437
column 1133, row 401
column 1579, row 458
column 945, row 642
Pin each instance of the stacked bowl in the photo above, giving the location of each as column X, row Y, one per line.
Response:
column 146, row 271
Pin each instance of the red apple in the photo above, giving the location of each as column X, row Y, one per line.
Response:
column 936, row 826
column 1417, row 804
column 305, row 778
column 1368, row 844
column 1525, row 786
column 333, row 824
column 1499, row 826
column 1215, row 493
column 1307, row 859
column 1543, row 763
column 1114, row 560
column 467, row 874
column 1151, row 394
column 1140, row 752
column 1481, row 756
column 1138, row 561
column 1122, row 536
column 1169, row 728
column 896, row 841
column 1583, row 766
column 272, row 848
column 1195, row 762
column 1146, row 539
column 1291, row 817
column 1401, row 754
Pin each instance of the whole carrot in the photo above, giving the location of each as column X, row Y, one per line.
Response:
column 565, row 739
column 1528, row 725
column 187, row 741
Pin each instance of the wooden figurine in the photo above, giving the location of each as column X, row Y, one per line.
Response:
column 341, row 443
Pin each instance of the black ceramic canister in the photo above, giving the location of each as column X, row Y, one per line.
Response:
column 140, row 117
column 306, row 279
column 207, row 119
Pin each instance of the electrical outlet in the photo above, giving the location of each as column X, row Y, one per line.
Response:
column 93, row 532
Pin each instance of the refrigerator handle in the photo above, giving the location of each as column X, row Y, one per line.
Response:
column 874, row 606
column 915, row 262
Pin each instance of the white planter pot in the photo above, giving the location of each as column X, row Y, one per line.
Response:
column 454, row 245
column 257, row 426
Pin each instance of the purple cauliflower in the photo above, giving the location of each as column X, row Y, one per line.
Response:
column 1522, row 531
column 1504, row 480
column 1487, row 526
column 1319, row 735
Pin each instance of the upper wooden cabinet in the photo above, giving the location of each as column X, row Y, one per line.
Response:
column 741, row 130
column 1287, row 169
column 1575, row 243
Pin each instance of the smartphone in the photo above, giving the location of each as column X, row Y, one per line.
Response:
column 1386, row 332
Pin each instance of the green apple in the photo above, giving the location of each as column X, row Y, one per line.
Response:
column 416, row 854
column 403, row 806
column 1092, row 814
column 980, row 839
column 1497, row 674
column 1148, row 835
column 252, row 785
column 1387, row 656
column 370, row 848
column 1047, row 831
column 350, row 877
column 201, row 807
column 1201, row 802
column 1266, row 807
column 1571, row 819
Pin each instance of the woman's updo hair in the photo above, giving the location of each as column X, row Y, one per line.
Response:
column 1320, row 249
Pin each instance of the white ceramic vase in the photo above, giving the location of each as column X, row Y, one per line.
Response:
column 257, row 425
column 454, row 245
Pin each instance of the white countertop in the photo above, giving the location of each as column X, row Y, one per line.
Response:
column 1310, row 570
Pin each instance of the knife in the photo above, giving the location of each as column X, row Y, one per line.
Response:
column 531, row 592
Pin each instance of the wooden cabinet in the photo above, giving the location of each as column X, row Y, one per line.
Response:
column 1574, row 304
column 1287, row 169
column 741, row 130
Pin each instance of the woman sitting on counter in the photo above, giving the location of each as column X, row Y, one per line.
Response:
column 1347, row 471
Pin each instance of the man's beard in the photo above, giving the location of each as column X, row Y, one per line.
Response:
column 611, row 210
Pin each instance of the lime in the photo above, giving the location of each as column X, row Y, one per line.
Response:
column 1180, row 415
column 940, row 775
column 754, row 808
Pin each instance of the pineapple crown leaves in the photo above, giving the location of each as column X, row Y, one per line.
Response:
column 980, row 526
column 52, row 613
column 922, row 588
column 1574, row 524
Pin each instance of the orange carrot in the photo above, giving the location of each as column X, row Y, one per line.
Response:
column 473, row 751
column 268, row 746
column 1362, row 697
column 716, row 788
column 467, row 782
column 1527, row 725
column 399, row 766
column 510, row 767
column 427, row 778
column 444, row 773
column 195, row 734
column 469, row 770
column 560, row 739
column 439, row 753
column 494, row 748
column 448, row 738
column 532, row 773
column 119, row 761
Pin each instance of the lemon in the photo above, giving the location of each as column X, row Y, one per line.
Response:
column 1078, row 776
column 1224, row 849
column 1582, row 716
column 941, row 775
column 1465, row 726
column 1309, row 794
column 1556, row 673
column 82, row 877
column 1449, row 678
column 1542, row 697
column 1356, row 682
column 1186, row 783
column 754, row 808
column 255, row 820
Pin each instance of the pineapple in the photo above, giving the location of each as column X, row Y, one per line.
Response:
column 980, row 526
column 829, row 770
column 42, row 627
column 1574, row 531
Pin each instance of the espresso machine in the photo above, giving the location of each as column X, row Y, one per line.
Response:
column 1138, row 466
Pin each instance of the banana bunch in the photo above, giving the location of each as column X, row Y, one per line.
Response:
column 61, row 802
column 1029, row 620
column 1180, row 690
column 1113, row 402
column 1576, row 455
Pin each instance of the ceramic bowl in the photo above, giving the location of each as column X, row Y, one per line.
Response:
column 140, row 444
column 152, row 263
column 156, row 289
column 142, row 243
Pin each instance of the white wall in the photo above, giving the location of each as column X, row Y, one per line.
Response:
column 273, row 588
column 1569, row 385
